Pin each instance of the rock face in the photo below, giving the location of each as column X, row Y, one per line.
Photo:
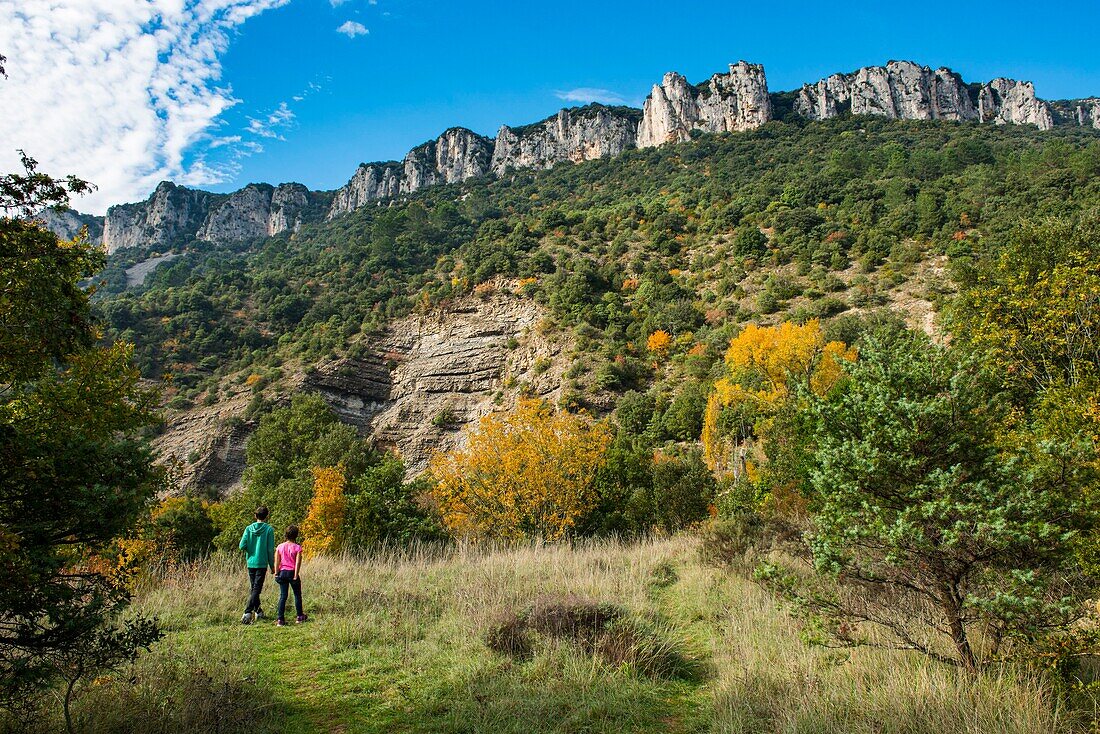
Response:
column 1007, row 101
column 424, row 379
column 1087, row 112
column 725, row 103
column 456, row 155
column 204, row 446
column 256, row 211
column 371, row 181
column 174, row 214
column 171, row 214
column 574, row 135
column 901, row 90
column 288, row 201
column 432, row 374
column 67, row 224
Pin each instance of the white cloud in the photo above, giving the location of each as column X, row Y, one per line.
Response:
column 269, row 125
column 119, row 93
column 351, row 29
column 585, row 95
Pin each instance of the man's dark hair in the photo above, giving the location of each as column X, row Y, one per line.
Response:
column 292, row 532
column 261, row 513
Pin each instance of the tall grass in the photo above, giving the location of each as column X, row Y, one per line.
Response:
column 398, row 642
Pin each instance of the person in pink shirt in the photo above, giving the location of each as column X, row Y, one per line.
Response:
column 288, row 567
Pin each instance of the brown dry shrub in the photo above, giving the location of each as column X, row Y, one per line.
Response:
column 597, row 628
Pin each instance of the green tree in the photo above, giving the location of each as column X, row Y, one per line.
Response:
column 750, row 241
column 939, row 534
column 279, row 460
column 75, row 473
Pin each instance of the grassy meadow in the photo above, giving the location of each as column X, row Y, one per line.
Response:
column 400, row 642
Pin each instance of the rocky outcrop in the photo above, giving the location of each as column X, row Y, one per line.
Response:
column 171, row 215
column 1007, row 101
column 288, row 202
column 901, row 90
column 419, row 384
column 256, row 211
column 203, row 446
column 68, row 224
column 174, row 215
column 729, row 102
column 371, row 182
column 1087, row 112
column 456, row 155
column 574, row 135
column 725, row 103
column 432, row 374
column 242, row 216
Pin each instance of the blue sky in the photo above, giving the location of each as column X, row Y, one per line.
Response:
column 288, row 97
column 425, row 66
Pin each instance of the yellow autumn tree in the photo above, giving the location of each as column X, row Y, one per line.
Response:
column 526, row 473
column 323, row 527
column 659, row 342
column 763, row 365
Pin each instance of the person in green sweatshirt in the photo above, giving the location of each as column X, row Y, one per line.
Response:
column 258, row 544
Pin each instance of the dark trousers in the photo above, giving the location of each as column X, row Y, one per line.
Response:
column 286, row 581
column 256, row 583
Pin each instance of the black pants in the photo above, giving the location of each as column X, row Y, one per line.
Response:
column 286, row 581
column 256, row 583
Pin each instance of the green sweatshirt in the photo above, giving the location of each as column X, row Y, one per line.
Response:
column 258, row 543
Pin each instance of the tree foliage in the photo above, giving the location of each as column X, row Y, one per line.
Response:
column 941, row 535
column 323, row 527
column 75, row 472
column 527, row 473
column 765, row 365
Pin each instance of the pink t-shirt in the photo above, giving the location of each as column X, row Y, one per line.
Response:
column 286, row 555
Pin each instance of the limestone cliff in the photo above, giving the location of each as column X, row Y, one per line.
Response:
column 170, row 215
column 174, row 214
column 901, row 90
column 735, row 101
column 370, row 182
column 456, row 155
column 67, row 224
column 1007, row 101
column 725, row 103
column 256, row 211
column 574, row 135
column 1087, row 112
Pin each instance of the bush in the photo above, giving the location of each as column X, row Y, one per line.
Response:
column 186, row 526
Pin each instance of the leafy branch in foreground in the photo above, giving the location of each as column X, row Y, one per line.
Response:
column 75, row 472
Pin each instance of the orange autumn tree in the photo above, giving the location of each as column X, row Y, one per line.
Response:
column 763, row 366
column 323, row 527
column 659, row 342
column 527, row 473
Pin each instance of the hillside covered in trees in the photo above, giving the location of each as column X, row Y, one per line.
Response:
column 835, row 381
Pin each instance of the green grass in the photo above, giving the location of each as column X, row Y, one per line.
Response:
column 396, row 643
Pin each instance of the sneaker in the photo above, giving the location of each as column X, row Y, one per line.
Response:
column 280, row 623
column 247, row 618
column 301, row 618
column 260, row 614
